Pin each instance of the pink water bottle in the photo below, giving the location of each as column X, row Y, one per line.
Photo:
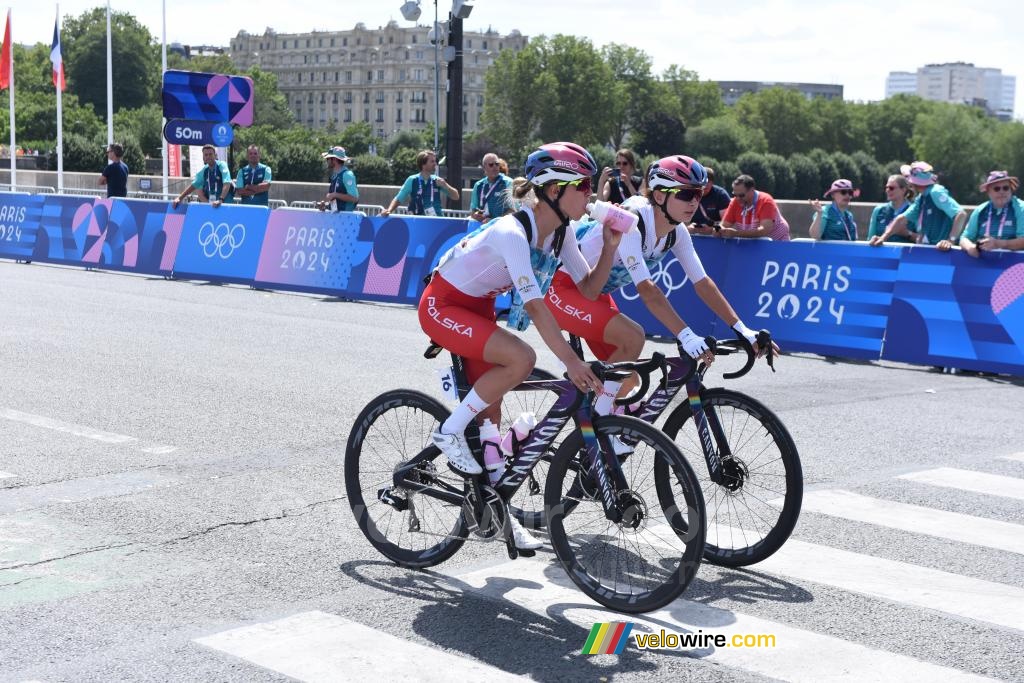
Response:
column 521, row 429
column 494, row 461
column 615, row 217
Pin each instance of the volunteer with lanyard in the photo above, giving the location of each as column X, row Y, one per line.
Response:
column 752, row 213
column 342, row 193
column 213, row 181
column 897, row 189
column 253, row 181
column 424, row 189
column 674, row 187
column 835, row 222
column 934, row 217
column 457, row 306
column 489, row 193
column 999, row 222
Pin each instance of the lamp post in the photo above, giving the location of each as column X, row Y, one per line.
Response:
column 460, row 11
column 411, row 12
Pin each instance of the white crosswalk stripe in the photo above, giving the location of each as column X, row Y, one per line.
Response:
column 917, row 519
column 320, row 647
column 969, row 480
column 7, row 475
column 1016, row 457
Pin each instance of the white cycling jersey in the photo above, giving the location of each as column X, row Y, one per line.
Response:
column 496, row 257
column 635, row 253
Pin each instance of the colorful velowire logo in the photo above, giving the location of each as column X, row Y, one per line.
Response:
column 608, row 638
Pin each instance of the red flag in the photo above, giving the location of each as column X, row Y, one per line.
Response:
column 5, row 56
column 58, row 62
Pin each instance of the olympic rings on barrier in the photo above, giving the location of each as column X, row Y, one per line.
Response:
column 668, row 275
column 221, row 240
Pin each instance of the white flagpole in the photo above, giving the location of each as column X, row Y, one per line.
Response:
column 60, row 121
column 164, row 66
column 110, row 84
column 14, row 148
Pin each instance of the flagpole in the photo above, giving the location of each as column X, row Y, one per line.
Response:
column 14, row 149
column 164, row 67
column 110, row 84
column 60, row 121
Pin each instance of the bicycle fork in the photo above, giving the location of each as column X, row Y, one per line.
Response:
column 710, row 431
column 604, row 467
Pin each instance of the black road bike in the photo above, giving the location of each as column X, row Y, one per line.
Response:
column 629, row 532
column 752, row 480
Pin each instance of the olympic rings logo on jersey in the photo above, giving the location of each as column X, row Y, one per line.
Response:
column 668, row 275
column 221, row 240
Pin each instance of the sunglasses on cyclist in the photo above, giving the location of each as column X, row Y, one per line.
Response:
column 582, row 184
column 685, row 194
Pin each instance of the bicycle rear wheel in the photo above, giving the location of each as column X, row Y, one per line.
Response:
column 754, row 510
column 410, row 528
column 647, row 559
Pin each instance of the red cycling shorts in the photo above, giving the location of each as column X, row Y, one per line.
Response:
column 458, row 322
column 579, row 315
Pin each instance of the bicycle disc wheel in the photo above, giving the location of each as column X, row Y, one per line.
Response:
column 527, row 505
column 410, row 528
column 647, row 559
column 752, row 513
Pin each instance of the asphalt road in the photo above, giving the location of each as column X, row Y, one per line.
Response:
column 172, row 508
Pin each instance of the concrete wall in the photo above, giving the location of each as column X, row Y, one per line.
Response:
column 797, row 213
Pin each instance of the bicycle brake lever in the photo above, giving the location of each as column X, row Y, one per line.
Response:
column 764, row 341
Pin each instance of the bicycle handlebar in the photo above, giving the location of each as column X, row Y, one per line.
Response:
column 620, row 371
column 725, row 348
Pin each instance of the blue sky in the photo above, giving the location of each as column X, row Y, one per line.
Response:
column 854, row 44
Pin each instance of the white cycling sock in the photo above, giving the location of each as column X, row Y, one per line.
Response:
column 466, row 411
column 606, row 401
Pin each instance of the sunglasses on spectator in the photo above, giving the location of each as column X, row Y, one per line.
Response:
column 845, row 193
column 891, row 187
column 581, row 184
column 622, row 163
column 739, row 195
column 491, row 163
column 1000, row 188
column 685, row 194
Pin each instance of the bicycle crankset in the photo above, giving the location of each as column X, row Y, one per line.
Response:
column 493, row 515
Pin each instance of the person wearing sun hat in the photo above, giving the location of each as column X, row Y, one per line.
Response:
column 835, row 222
column 342, row 195
column 999, row 222
column 933, row 217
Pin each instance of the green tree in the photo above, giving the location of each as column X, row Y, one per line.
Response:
column 659, row 133
column 760, row 169
column 872, row 177
column 839, row 126
column 635, row 89
column 697, row 100
column 270, row 107
column 785, row 179
column 403, row 164
column 406, row 139
column 356, row 138
column 723, row 137
column 805, row 176
column 371, row 170
column 145, row 125
column 134, row 58
column 784, row 116
column 827, row 169
column 1008, row 142
column 847, row 167
column 890, row 124
column 959, row 142
column 300, row 163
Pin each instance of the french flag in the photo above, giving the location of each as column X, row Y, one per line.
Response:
column 58, row 61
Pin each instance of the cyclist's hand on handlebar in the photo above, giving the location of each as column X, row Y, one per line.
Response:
column 582, row 376
column 695, row 346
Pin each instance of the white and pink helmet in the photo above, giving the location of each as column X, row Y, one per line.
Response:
column 564, row 161
column 676, row 171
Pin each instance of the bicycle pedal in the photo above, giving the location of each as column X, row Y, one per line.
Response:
column 526, row 553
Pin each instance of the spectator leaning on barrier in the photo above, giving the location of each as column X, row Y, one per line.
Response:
column 343, row 193
column 897, row 189
column 933, row 218
column 712, row 204
column 1001, row 217
column 752, row 213
column 115, row 175
column 212, row 180
column 618, row 184
column 423, row 187
column 835, row 222
column 253, row 181
column 489, row 194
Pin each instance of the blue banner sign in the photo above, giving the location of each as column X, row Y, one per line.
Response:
column 181, row 132
column 198, row 96
column 20, row 221
column 221, row 243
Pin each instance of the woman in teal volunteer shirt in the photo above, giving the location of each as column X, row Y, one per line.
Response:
column 999, row 222
column 935, row 217
column 835, row 222
column 899, row 194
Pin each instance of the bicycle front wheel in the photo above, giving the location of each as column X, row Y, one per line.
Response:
column 646, row 559
column 408, row 527
column 755, row 508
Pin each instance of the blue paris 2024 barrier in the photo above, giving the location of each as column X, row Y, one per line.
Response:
column 911, row 304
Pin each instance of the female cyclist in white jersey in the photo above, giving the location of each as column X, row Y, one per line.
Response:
column 674, row 186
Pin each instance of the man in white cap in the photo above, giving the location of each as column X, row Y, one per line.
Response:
column 342, row 195
column 934, row 217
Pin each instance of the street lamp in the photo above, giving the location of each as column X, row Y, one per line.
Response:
column 411, row 12
column 460, row 11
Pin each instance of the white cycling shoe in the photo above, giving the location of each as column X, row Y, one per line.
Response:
column 524, row 540
column 619, row 447
column 457, row 451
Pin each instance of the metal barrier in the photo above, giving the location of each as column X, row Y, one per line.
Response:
column 302, row 205
column 37, row 189
column 454, row 213
column 278, row 204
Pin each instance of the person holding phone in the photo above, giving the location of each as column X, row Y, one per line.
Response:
column 999, row 222
column 620, row 183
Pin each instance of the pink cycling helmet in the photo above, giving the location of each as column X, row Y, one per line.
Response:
column 565, row 161
column 676, row 171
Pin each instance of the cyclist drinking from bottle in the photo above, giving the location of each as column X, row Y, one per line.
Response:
column 673, row 189
column 457, row 307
